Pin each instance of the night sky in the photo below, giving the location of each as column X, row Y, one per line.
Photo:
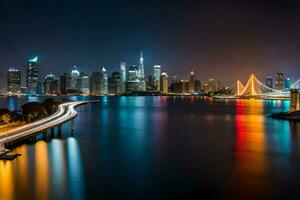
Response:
column 225, row 41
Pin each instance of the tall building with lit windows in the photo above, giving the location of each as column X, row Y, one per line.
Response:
column 123, row 77
column 164, row 83
column 74, row 79
column 192, row 82
column 32, row 77
column 13, row 81
column 269, row 82
column 141, row 74
column 156, row 73
column 279, row 81
column 104, row 82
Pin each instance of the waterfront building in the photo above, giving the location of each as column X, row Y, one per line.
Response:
column 95, row 84
column 123, row 77
column 287, row 83
column 49, row 84
column 133, row 82
column 104, row 82
column 269, row 82
column 175, row 79
column 279, row 81
column 141, row 74
column 192, row 82
column 32, row 77
column 212, row 85
column 114, row 83
column 74, row 80
column 150, row 86
column 84, row 84
column 156, row 73
column 164, row 83
column 65, row 83
column 197, row 86
column 13, row 82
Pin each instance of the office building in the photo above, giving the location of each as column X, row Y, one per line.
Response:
column 192, row 82
column 123, row 77
column 84, row 84
column 269, row 82
column 95, row 84
column 287, row 83
column 74, row 87
column 114, row 84
column 49, row 88
column 13, row 82
column 104, row 82
column 164, row 83
column 65, row 83
column 279, row 81
column 32, row 77
column 156, row 73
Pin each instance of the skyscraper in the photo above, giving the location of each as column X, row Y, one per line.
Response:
column 13, row 81
column 84, row 84
column 95, row 83
column 269, row 81
column 133, row 82
column 104, row 82
column 114, row 83
column 279, row 84
column 141, row 74
column 192, row 82
column 65, row 83
column 164, row 83
column 49, row 84
column 32, row 77
column 74, row 79
column 156, row 73
column 123, row 77
column 287, row 83
column 212, row 85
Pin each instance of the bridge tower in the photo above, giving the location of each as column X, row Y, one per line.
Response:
column 295, row 100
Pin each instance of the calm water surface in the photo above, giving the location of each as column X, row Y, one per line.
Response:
column 160, row 148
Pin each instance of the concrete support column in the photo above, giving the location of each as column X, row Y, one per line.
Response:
column 295, row 100
column 72, row 126
column 52, row 132
column 59, row 130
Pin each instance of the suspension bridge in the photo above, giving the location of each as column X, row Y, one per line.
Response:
column 254, row 88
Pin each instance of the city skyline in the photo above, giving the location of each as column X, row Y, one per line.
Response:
column 209, row 38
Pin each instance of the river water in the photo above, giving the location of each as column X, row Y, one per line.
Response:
column 160, row 148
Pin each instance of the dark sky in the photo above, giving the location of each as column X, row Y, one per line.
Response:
column 222, row 40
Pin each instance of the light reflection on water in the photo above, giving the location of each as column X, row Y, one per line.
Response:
column 149, row 146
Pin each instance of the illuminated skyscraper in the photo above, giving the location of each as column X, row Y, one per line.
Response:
column 156, row 73
column 65, row 82
column 32, row 77
column 84, row 84
column 104, row 82
column 114, row 83
column 164, row 83
column 141, row 74
column 74, row 79
column 13, row 81
column 123, row 76
column 49, row 84
column 95, row 83
column 192, row 82
column 212, row 85
column 279, row 81
column 269, row 81
column 133, row 81
column 287, row 83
